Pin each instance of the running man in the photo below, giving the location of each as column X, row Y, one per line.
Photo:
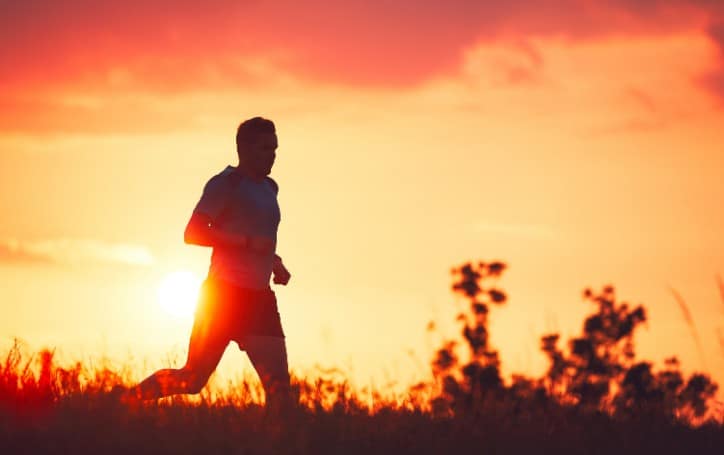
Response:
column 237, row 216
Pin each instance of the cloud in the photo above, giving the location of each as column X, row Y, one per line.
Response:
column 96, row 114
column 165, row 48
column 184, row 45
column 714, row 81
column 10, row 252
column 73, row 252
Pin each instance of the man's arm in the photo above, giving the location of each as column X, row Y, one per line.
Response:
column 201, row 231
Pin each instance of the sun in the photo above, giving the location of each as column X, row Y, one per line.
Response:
column 178, row 293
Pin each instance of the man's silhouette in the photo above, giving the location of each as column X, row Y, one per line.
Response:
column 237, row 216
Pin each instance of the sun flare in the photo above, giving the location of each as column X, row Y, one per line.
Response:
column 178, row 293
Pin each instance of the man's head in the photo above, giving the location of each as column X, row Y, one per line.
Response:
column 256, row 144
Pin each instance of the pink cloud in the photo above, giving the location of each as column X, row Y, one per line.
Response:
column 183, row 45
column 714, row 81
column 52, row 115
column 357, row 41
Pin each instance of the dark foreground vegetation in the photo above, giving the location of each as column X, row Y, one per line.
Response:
column 86, row 426
column 596, row 398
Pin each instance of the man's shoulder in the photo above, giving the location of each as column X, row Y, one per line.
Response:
column 228, row 179
column 274, row 185
column 224, row 179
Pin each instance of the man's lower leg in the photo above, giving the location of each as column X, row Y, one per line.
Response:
column 166, row 382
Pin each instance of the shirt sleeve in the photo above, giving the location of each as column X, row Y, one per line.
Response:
column 213, row 199
column 274, row 185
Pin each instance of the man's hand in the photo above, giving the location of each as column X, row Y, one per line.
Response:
column 281, row 274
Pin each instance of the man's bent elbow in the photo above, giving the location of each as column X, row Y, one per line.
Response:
column 188, row 239
column 192, row 237
column 197, row 231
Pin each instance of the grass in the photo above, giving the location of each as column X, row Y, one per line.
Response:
column 690, row 323
column 48, row 408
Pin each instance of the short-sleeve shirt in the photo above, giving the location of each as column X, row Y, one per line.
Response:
column 240, row 205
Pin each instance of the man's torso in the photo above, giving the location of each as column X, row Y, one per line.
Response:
column 248, row 208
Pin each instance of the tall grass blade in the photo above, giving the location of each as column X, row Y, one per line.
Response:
column 690, row 323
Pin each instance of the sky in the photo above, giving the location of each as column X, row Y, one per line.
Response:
column 580, row 142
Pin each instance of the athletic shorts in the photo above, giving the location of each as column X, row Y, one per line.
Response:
column 232, row 312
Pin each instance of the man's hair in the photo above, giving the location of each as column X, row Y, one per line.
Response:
column 250, row 129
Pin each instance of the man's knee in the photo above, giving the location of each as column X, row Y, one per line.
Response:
column 278, row 388
column 275, row 380
column 280, row 396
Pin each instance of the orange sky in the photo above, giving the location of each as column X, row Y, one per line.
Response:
column 578, row 141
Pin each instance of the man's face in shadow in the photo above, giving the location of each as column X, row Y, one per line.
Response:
column 260, row 153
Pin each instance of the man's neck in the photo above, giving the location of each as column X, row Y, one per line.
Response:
column 248, row 173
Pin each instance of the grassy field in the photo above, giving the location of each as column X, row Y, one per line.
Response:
column 46, row 408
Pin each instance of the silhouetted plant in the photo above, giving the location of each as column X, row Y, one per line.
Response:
column 465, row 384
column 600, row 371
column 665, row 393
column 599, row 356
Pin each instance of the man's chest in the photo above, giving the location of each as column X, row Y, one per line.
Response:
column 251, row 207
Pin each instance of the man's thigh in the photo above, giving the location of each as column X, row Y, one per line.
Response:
column 268, row 354
column 208, row 340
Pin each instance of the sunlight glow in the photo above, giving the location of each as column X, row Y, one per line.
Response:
column 178, row 293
